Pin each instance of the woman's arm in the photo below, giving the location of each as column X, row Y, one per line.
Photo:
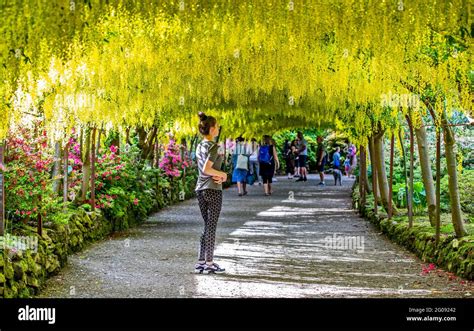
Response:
column 210, row 171
column 275, row 157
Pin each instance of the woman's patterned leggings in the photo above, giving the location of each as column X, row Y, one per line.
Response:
column 210, row 203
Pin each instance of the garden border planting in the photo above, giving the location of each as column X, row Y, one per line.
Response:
column 452, row 254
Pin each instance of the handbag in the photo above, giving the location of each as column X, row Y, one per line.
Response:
column 242, row 161
column 250, row 179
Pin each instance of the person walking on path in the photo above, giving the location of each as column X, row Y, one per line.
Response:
column 294, row 150
column 268, row 159
column 336, row 164
column 347, row 165
column 321, row 159
column 353, row 153
column 253, row 160
column 209, row 192
column 302, row 155
column 241, row 166
column 336, row 158
column 289, row 162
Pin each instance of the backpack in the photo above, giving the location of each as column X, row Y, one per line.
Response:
column 337, row 162
column 264, row 154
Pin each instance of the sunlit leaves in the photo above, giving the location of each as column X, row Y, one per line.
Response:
column 256, row 65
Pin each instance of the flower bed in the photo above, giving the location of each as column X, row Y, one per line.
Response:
column 24, row 272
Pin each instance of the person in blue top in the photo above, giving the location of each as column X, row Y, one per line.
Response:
column 336, row 158
column 269, row 162
column 347, row 165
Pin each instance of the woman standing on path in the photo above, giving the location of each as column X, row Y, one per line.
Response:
column 209, row 191
column 268, row 159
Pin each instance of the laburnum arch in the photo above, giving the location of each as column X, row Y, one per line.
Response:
column 258, row 66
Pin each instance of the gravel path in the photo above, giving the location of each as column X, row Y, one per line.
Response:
column 285, row 245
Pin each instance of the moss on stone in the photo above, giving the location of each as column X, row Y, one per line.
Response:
column 20, row 268
column 8, row 271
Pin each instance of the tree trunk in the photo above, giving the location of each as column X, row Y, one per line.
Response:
column 65, row 172
column 57, row 168
column 86, row 164
column 127, row 136
column 426, row 173
column 372, row 162
column 381, row 171
column 94, row 131
column 438, row 184
column 390, row 187
column 81, row 139
column 410, row 184
column 404, row 158
column 449, row 148
column 368, row 188
column 99, row 133
column 363, row 176
column 155, row 155
column 374, row 173
column 146, row 141
column 149, row 144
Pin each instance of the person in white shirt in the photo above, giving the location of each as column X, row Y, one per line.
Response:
column 253, row 160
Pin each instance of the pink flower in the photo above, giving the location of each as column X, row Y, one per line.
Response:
column 428, row 269
column 135, row 202
column 113, row 149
